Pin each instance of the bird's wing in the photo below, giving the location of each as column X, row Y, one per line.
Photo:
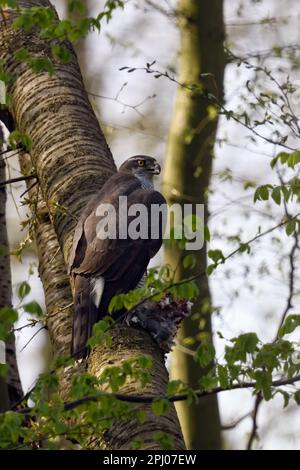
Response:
column 118, row 264
column 115, row 258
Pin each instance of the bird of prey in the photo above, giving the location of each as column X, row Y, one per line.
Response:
column 105, row 267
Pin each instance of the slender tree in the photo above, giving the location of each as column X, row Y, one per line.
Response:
column 186, row 179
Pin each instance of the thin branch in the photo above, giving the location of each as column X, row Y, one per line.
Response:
column 234, row 424
column 180, row 397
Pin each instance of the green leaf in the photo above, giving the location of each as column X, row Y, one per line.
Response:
column 22, row 54
column 137, row 443
column 61, row 53
column 205, row 354
column 247, row 342
column 285, row 396
column 283, row 157
column 160, row 406
column 188, row 290
column 223, row 376
column 23, row 290
column 293, row 159
column 206, row 233
column 141, row 416
column 208, row 381
column 290, row 227
column 41, row 64
column 210, row 269
column 216, row 255
column 34, row 308
column 165, row 440
column 76, row 6
column 264, row 383
column 174, row 386
column 16, row 138
column 191, row 397
column 244, row 247
column 8, row 315
column 273, row 162
column 101, row 334
column 286, row 193
column 145, row 362
column 242, row 345
column 262, row 193
column 9, row 3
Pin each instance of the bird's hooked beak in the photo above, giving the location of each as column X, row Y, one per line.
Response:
column 155, row 168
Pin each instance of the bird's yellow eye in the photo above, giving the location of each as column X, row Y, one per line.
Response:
column 141, row 163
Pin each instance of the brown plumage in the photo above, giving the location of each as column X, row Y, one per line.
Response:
column 114, row 265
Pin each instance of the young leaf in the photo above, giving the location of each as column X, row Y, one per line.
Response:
column 276, row 195
column 34, row 308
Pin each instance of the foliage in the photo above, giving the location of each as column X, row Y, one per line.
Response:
column 246, row 362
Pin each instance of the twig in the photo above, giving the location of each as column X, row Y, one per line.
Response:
column 234, row 424
column 29, row 188
column 212, row 98
column 33, row 322
column 172, row 13
column 122, row 103
column 33, row 336
column 253, row 434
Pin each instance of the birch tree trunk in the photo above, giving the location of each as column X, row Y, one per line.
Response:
column 72, row 160
column 11, row 390
column 186, row 179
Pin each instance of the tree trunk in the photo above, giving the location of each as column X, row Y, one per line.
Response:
column 72, row 161
column 13, row 386
column 186, row 178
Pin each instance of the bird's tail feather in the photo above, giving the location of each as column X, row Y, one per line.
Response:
column 85, row 316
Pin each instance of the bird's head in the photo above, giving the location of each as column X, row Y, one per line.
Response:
column 141, row 166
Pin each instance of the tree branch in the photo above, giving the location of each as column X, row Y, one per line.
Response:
column 253, row 434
